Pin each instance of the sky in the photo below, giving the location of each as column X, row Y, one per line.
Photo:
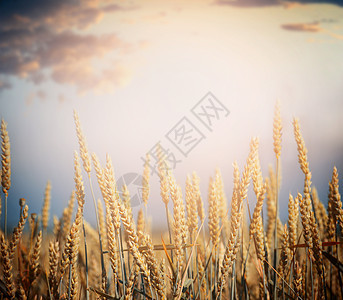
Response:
column 140, row 72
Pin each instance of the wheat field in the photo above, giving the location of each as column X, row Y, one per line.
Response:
column 216, row 245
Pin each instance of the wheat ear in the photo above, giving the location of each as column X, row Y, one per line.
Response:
column 293, row 215
column 131, row 282
column 277, row 128
column 175, row 193
column 67, row 216
column 6, row 166
column 73, row 240
column 239, row 195
column 17, row 232
column 112, row 244
column 213, row 214
column 197, row 195
column 230, row 250
column 317, row 245
column 191, row 205
column 46, row 206
column 305, row 209
column 298, row 281
column 302, row 154
column 140, row 226
column 129, row 227
column 102, row 224
column 145, row 181
column 285, row 255
column 336, row 199
column 34, row 260
column 321, row 214
column 271, row 210
column 83, row 145
column 7, row 267
column 112, row 193
column 5, row 159
column 54, row 253
column 222, row 207
column 260, row 190
column 155, row 275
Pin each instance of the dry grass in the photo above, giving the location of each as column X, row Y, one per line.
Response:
column 222, row 255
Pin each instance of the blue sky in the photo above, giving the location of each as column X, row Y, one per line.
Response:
column 133, row 69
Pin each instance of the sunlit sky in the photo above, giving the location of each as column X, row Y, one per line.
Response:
column 134, row 69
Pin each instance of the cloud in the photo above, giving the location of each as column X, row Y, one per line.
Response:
column 290, row 4
column 309, row 27
column 313, row 28
column 287, row 4
column 42, row 40
column 61, row 14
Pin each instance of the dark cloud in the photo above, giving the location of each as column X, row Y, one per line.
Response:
column 61, row 14
column 39, row 41
column 258, row 3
